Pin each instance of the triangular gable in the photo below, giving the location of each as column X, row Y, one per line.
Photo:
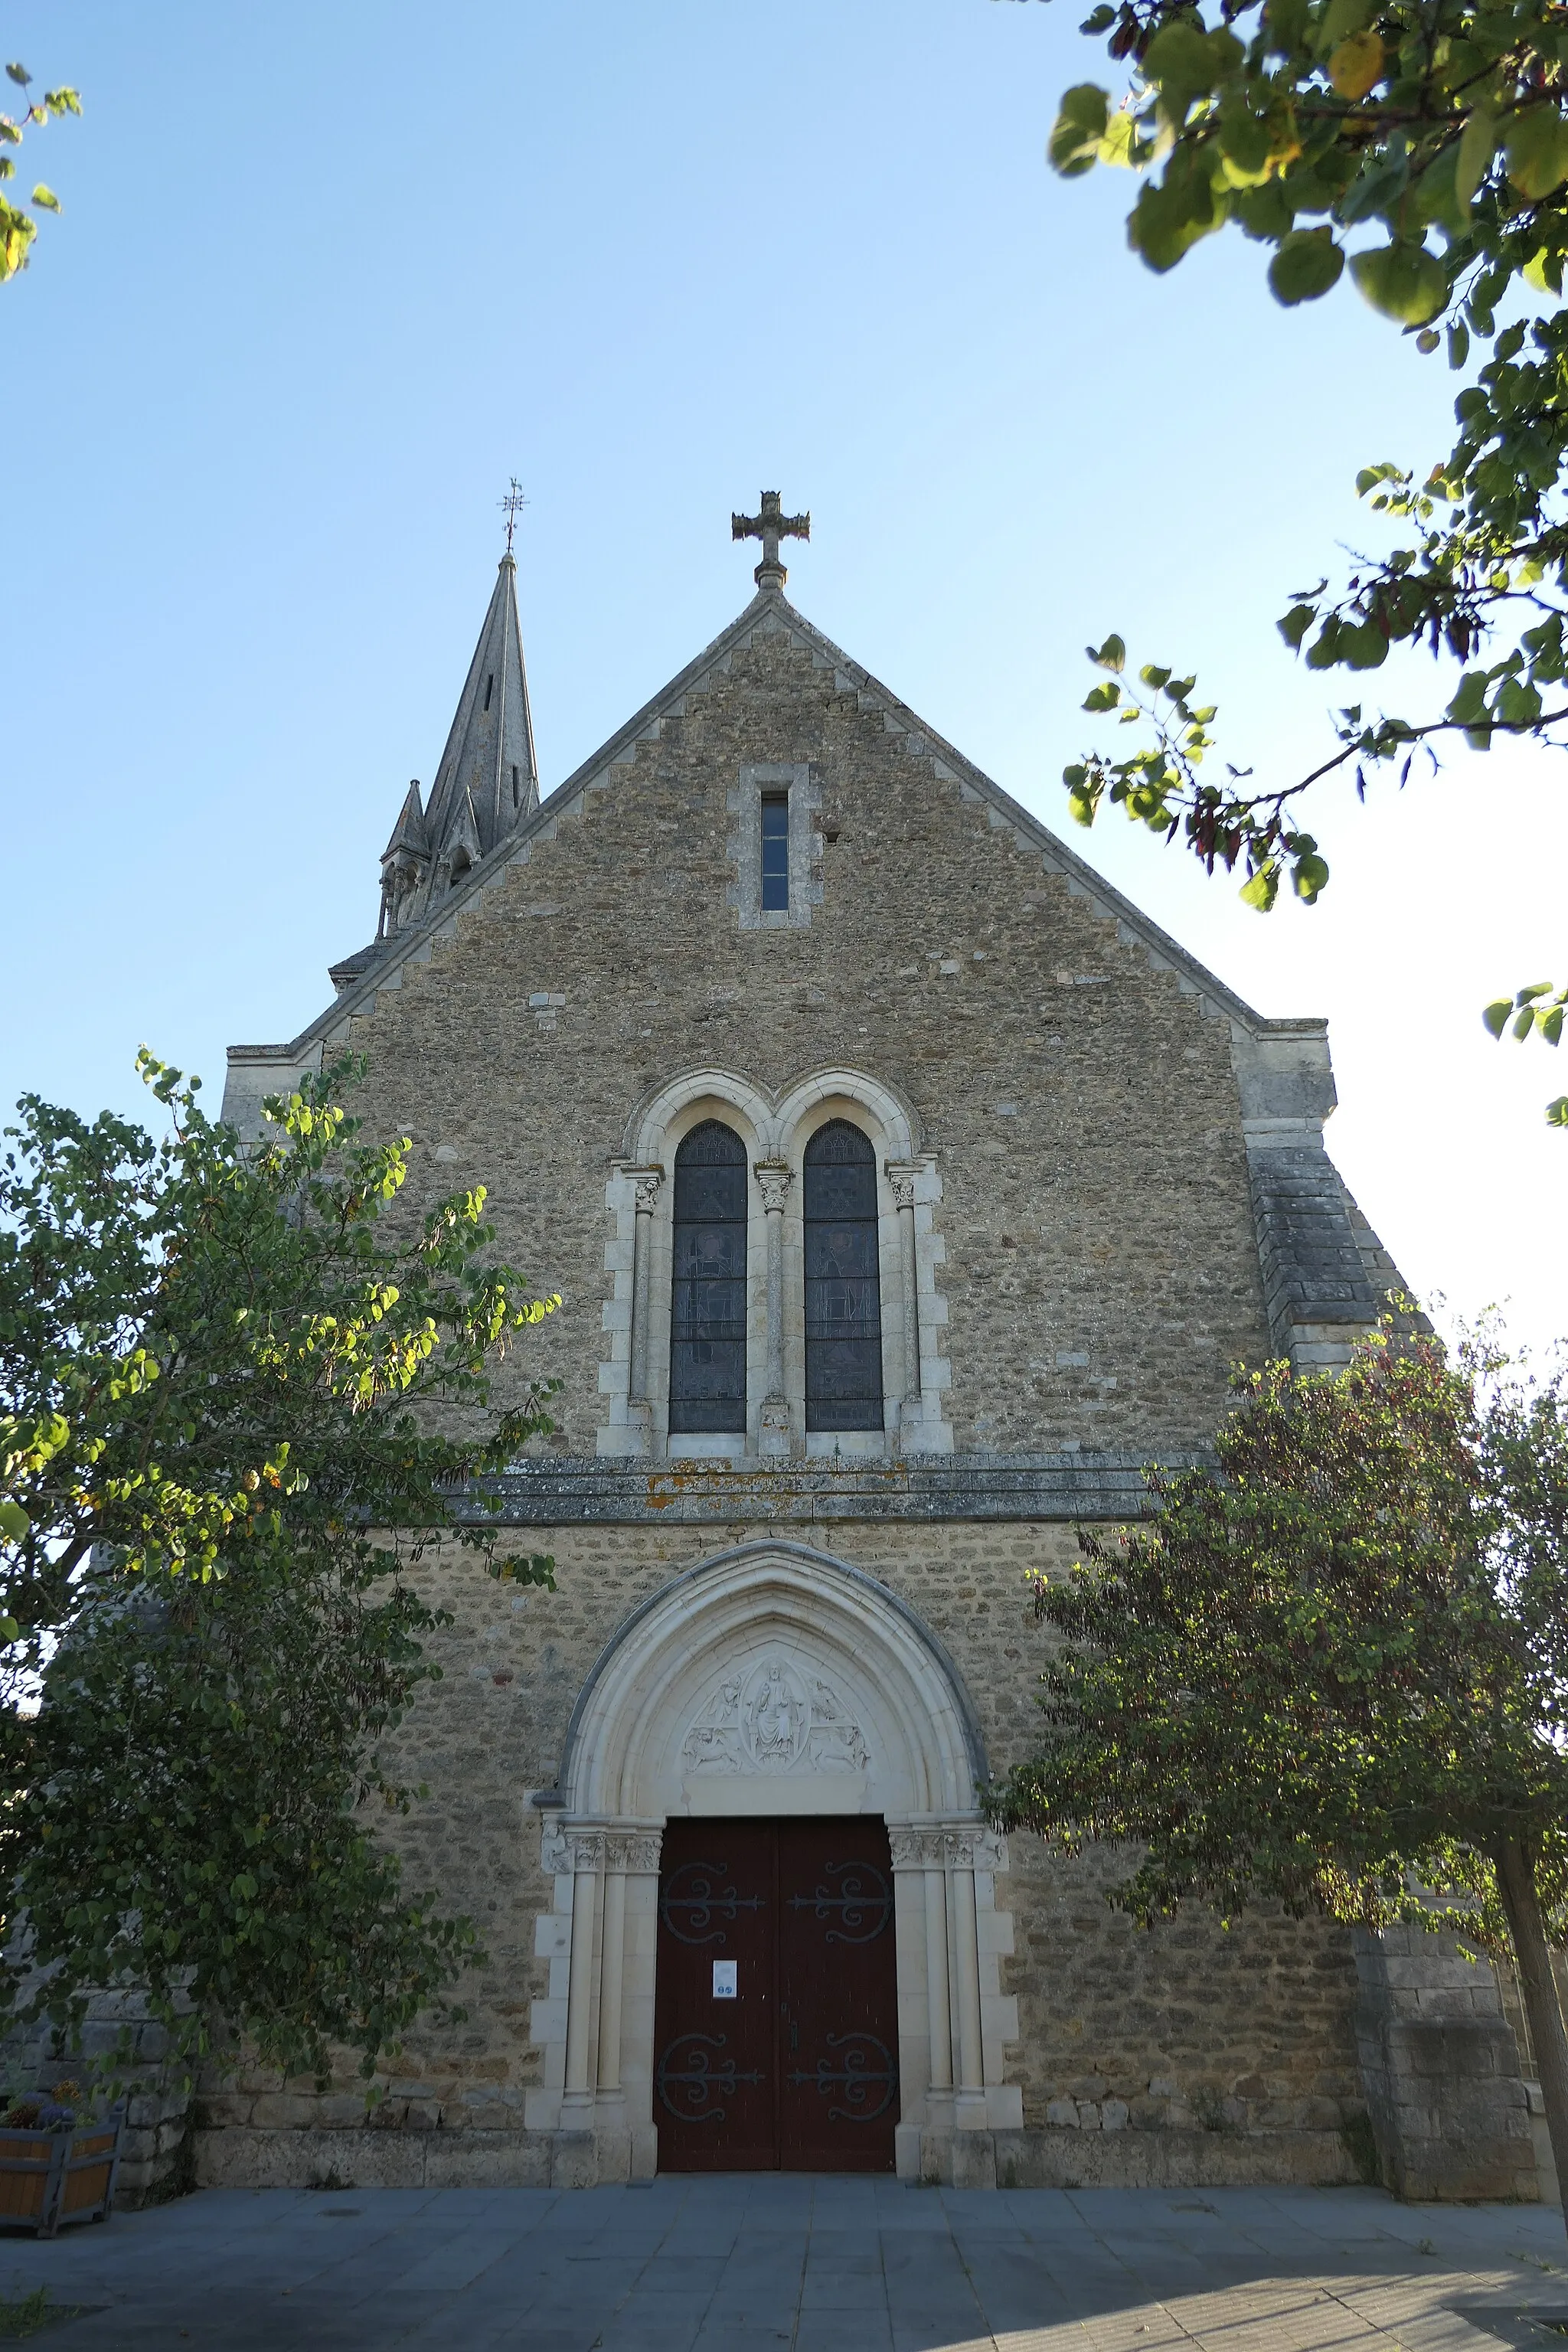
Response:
column 768, row 612
column 1308, row 1237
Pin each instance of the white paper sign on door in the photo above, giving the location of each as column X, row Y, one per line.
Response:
column 724, row 1980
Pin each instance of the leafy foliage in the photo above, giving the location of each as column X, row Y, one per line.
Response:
column 1334, row 1671
column 240, row 1390
column 19, row 225
column 1426, row 142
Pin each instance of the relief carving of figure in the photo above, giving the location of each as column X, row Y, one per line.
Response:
column 774, row 1720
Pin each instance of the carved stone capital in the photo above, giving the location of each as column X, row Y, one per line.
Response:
column 901, row 1177
column 974, row 1849
column 775, row 1180
column 935, row 1847
column 570, row 1848
column 632, row 1849
column 645, row 1183
column 916, row 1849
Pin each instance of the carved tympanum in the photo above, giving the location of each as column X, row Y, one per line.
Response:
column 779, row 1717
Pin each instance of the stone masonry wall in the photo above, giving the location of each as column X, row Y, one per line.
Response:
column 1218, row 2044
column 1102, row 1267
column 1098, row 1272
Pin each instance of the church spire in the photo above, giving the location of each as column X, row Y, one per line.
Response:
column 485, row 786
column 488, row 782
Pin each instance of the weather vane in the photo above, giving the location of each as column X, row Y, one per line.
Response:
column 511, row 506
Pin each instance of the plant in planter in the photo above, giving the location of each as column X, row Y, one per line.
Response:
column 50, row 2171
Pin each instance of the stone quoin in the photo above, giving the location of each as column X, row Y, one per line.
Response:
column 906, row 1189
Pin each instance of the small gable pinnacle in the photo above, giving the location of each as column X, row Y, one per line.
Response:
column 409, row 832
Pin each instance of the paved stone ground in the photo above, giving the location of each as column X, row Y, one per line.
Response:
column 802, row 2264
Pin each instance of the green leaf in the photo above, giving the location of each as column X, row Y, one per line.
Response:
column 1557, row 1112
column 1112, row 654
column 1264, row 214
column 1184, row 63
column 1469, row 705
column 9, row 1630
column 1296, row 623
column 1401, row 281
column 1171, row 215
column 1537, row 150
column 1518, row 702
column 19, row 74
column 1103, row 698
column 1263, row 889
column 1551, row 1025
column 1285, row 25
column 1496, row 1015
column 1247, row 143
column 1478, row 145
column 1078, row 130
column 47, row 198
column 1308, row 264
column 1364, row 646
column 1341, row 19
column 1310, row 877
column 13, row 1520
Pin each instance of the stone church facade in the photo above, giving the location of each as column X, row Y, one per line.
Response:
column 906, row 1189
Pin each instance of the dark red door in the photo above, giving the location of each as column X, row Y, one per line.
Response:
column 775, row 2027
column 839, row 2005
column 714, row 2053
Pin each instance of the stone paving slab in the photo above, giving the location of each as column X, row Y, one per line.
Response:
column 764, row 2263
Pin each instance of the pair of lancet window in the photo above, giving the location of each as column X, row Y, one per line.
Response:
column 843, row 1287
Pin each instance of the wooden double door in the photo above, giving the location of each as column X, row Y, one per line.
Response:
column 775, row 2014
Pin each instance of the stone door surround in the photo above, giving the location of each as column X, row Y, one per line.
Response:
column 770, row 1680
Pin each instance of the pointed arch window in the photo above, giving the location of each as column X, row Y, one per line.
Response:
column 843, row 1285
column 708, row 1321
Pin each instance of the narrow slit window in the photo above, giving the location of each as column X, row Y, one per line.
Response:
column 843, row 1281
column 514, row 787
column 490, row 682
column 775, row 852
column 707, row 1320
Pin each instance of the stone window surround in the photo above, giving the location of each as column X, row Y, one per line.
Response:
column 603, row 1830
column 639, row 1257
column 769, row 779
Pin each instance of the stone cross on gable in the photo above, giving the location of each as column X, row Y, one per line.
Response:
column 770, row 526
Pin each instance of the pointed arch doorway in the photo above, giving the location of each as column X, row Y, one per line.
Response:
column 772, row 1686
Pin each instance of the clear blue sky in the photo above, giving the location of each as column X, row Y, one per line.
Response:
column 327, row 276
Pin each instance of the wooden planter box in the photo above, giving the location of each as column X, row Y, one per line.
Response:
column 49, row 2179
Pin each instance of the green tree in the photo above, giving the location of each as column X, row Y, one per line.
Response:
column 240, row 1392
column 18, row 225
column 1425, row 144
column 1333, row 1670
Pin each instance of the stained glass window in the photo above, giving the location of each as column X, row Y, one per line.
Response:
column 775, row 852
column 708, row 1326
column 843, row 1303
